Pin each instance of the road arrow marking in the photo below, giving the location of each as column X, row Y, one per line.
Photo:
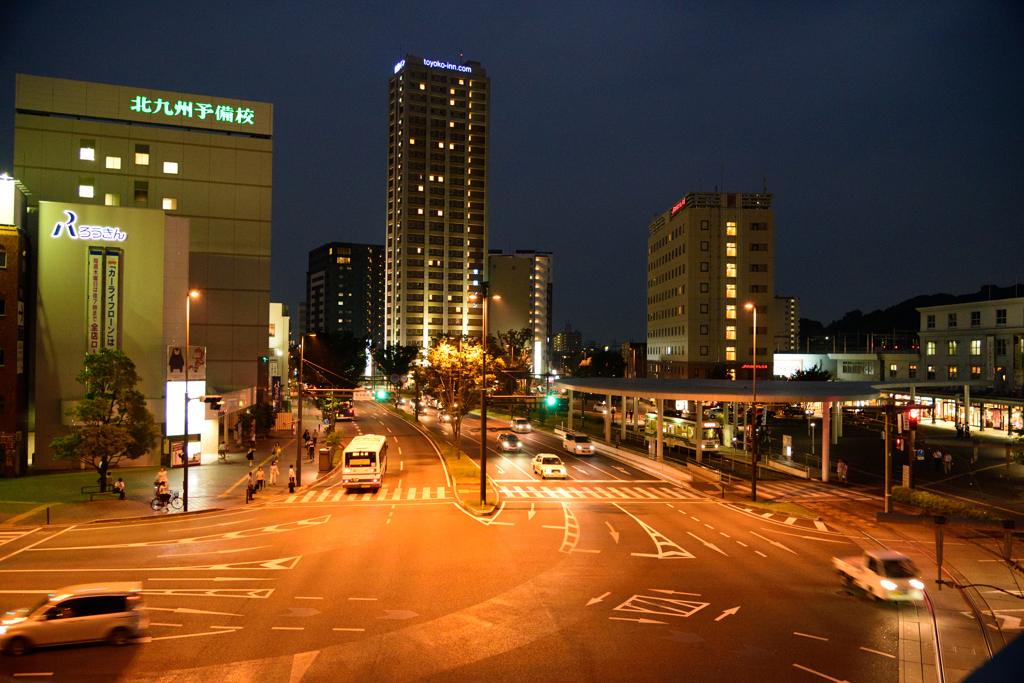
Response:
column 620, row 469
column 500, row 471
column 613, row 532
column 186, row 610
column 708, row 544
column 594, row 600
column 727, row 612
column 662, row 590
column 398, row 614
column 818, row 673
column 531, row 513
column 301, row 612
column 775, row 543
column 639, row 621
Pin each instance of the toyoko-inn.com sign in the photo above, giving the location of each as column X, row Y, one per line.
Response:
column 439, row 65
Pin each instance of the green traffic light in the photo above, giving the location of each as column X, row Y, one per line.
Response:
column 381, row 394
column 551, row 400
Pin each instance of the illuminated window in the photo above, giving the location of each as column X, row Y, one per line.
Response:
column 951, row 348
column 730, row 353
column 975, row 347
column 420, row 187
column 929, row 348
column 912, row 371
column 171, row 167
column 730, row 270
column 893, row 369
column 86, row 187
column 975, row 372
column 440, row 213
column 114, row 162
column 141, row 191
column 730, row 228
column 422, row 86
column 419, row 212
column 110, row 199
column 953, row 371
column 170, row 204
column 730, row 248
column 87, row 150
column 440, row 145
column 730, row 291
column 344, row 259
column 730, row 311
column 142, row 155
column 730, row 331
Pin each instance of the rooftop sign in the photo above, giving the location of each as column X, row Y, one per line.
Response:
column 188, row 109
column 447, row 65
column 87, row 232
column 680, row 205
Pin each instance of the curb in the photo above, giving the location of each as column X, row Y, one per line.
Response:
column 191, row 513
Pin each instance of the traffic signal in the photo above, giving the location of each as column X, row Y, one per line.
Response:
column 382, row 395
column 215, row 402
column 551, row 400
column 913, row 415
column 899, row 443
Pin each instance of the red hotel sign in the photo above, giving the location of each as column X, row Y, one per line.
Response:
column 681, row 204
column 759, row 367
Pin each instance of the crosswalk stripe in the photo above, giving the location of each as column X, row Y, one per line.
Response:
column 323, row 496
column 412, row 493
column 442, row 492
column 367, row 496
column 426, row 493
column 383, row 493
column 820, row 526
column 334, row 499
column 308, row 496
column 397, row 495
column 790, row 521
column 645, row 492
column 621, row 494
column 674, row 493
column 291, row 499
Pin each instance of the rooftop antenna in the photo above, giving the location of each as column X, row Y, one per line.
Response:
column 766, row 184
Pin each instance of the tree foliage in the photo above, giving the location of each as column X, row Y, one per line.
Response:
column 601, row 364
column 264, row 416
column 335, row 359
column 815, row 374
column 453, row 375
column 112, row 421
column 514, row 349
column 395, row 359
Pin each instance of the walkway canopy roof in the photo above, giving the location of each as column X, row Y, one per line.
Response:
column 727, row 390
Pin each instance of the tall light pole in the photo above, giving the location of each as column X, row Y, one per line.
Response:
column 298, row 437
column 485, row 295
column 188, row 361
column 753, row 452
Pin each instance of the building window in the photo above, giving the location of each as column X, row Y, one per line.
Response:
column 111, row 199
column 893, row 369
column 975, row 347
column 3, row 307
column 87, row 150
column 730, row 228
column 3, row 258
column 951, row 321
column 169, row 204
column 951, row 347
column 86, row 186
column 730, row 270
column 1000, row 316
column 705, row 225
column 142, row 155
column 704, row 329
column 703, row 308
column 854, row 367
column 1000, row 347
column 730, row 291
column 171, row 167
column 730, row 353
column 730, row 331
column 730, row 311
column 929, row 348
column 1, row 357
column 114, row 163
column 953, row 371
column 703, row 288
column 975, row 318
column 930, row 322
column 975, row 372
column 912, row 371
column 273, row 327
column 141, row 191
column 704, row 266
column 705, row 246
column 931, row 372
column 703, row 350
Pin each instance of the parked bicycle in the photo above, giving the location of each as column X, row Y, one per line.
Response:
column 173, row 501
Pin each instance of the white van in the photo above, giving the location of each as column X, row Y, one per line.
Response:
column 84, row 613
column 577, row 443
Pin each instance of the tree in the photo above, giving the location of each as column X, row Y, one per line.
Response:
column 337, row 359
column 453, row 375
column 264, row 416
column 246, row 420
column 601, row 364
column 513, row 348
column 112, row 422
column 395, row 359
column 815, row 374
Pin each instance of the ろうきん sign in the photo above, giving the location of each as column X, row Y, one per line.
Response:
column 86, row 232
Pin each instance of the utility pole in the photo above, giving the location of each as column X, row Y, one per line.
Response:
column 753, row 451
column 888, row 455
column 485, row 293
column 298, row 434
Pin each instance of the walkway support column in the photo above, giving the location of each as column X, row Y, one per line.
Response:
column 622, row 436
column 837, row 416
column 608, row 419
column 967, row 407
column 660, row 448
column 698, row 431
column 570, row 409
column 826, row 409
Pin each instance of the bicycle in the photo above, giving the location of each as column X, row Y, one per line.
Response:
column 174, row 501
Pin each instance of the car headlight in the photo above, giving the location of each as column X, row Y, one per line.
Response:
column 888, row 585
column 3, row 630
column 917, row 584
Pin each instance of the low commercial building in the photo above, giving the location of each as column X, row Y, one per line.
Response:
column 851, row 367
column 15, row 289
column 787, row 324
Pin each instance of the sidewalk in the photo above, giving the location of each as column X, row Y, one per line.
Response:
column 211, row 485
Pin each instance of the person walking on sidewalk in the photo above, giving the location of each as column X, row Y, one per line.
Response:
column 250, row 455
column 305, row 435
column 291, row 478
column 273, row 473
column 937, row 460
column 119, row 488
column 261, row 479
column 161, row 477
column 310, row 446
column 249, row 488
column 947, row 462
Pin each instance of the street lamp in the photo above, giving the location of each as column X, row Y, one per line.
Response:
column 484, row 295
column 188, row 361
column 753, row 452
column 298, row 440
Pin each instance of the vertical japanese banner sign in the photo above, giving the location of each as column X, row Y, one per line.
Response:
column 275, row 391
column 990, row 358
column 94, row 301
column 112, row 299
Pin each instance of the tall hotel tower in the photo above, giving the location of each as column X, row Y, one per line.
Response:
column 437, row 200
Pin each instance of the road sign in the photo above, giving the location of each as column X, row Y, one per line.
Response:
column 394, row 379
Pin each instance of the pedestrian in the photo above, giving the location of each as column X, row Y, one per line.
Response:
column 291, row 478
column 261, row 479
column 273, row 473
column 161, row 477
column 250, row 455
column 305, row 435
column 248, row 488
column 119, row 488
column 937, row 460
column 309, row 447
column 277, row 450
column 959, row 431
column 316, row 435
column 947, row 462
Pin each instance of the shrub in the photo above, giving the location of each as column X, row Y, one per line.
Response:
column 938, row 505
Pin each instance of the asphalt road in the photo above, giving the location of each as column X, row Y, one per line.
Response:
column 398, row 585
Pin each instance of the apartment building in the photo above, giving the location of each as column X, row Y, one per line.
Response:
column 787, row 324
column 345, row 290
column 975, row 340
column 523, row 280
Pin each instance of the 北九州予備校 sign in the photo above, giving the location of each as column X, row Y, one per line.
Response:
column 199, row 110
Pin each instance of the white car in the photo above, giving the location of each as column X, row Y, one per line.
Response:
column 521, row 425
column 111, row 612
column 883, row 575
column 577, row 443
column 442, row 416
column 549, row 465
column 509, row 442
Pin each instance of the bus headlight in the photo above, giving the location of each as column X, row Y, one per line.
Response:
column 917, row 584
column 888, row 585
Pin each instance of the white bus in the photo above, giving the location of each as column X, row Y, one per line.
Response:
column 365, row 462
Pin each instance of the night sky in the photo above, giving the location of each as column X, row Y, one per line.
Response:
column 891, row 134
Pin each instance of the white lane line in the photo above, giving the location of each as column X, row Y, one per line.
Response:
column 760, row 553
column 370, row 599
column 693, row 518
column 709, row 526
column 818, row 673
column 41, row 540
column 229, row 627
column 153, row 623
column 725, row 534
column 808, row 635
column 884, row 654
column 287, row 628
column 775, row 543
column 401, row 464
column 33, row 673
column 194, row 635
column 304, row 597
column 742, row 544
column 348, row 629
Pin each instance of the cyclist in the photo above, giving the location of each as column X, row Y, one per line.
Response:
column 163, row 494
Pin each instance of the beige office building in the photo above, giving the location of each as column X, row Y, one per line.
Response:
column 707, row 257
column 437, row 200
column 523, row 280
column 205, row 159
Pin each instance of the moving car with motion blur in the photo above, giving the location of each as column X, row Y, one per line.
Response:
column 85, row 613
column 521, row 425
column 884, row 574
column 549, row 465
column 577, row 443
column 443, row 416
column 509, row 442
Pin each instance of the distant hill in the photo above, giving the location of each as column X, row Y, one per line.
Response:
column 903, row 316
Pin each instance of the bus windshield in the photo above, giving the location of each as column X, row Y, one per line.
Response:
column 360, row 459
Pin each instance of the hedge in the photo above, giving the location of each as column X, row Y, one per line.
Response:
column 938, row 505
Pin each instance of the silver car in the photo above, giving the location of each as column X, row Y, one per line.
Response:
column 91, row 612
